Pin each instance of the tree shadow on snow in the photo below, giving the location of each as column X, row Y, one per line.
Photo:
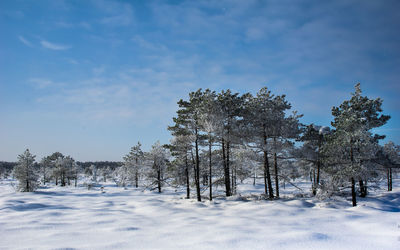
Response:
column 34, row 206
column 387, row 203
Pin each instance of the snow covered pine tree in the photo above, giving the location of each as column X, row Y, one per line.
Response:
column 25, row 173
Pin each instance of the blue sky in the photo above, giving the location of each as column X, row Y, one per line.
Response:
column 91, row 78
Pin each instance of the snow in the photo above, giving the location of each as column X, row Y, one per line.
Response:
column 77, row 218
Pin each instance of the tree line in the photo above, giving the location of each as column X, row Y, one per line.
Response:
column 220, row 139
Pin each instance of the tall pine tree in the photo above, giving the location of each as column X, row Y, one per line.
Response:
column 351, row 147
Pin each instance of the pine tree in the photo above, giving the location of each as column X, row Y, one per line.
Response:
column 64, row 169
column 55, row 171
column 45, row 167
column 310, row 152
column 135, row 159
column 351, row 147
column 124, row 175
column 265, row 119
column 180, row 148
column 24, row 172
column 188, row 122
column 230, row 107
column 284, row 131
column 158, row 157
column 210, row 123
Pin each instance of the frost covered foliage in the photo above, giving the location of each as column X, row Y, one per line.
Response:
column 135, row 162
column 158, row 158
column 105, row 173
column 392, row 151
column 351, row 149
column 268, row 126
column 65, row 170
column 244, row 164
column 133, row 168
column 390, row 158
column 25, row 173
column 124, row 175
column 309, row 154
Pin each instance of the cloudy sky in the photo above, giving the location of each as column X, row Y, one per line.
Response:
column 91, row 78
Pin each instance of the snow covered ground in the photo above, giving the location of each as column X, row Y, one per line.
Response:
column 77, row 218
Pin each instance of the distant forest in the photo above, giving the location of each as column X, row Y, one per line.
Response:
column 9, row 166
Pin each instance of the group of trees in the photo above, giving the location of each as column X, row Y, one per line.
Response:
column 212, row 124
column 222, row 138
column 143, row 168
column 225, row 136
column 56, row 167
column 148, row 168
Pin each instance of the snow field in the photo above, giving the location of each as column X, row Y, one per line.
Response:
column 77, row 218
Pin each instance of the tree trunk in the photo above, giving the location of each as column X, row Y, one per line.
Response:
column 314, row 183
column 353, row 183
column 353, row 192
column 276, row 171
column 159, row 179
column 318, row 171
column 210, row 165
column 228, row 162
column 267, row 175
column 27, row 177
column 187, row 178
column 63, row 180
column 276, row 176
column 389, row 177
column 318, row 160
column 363, row 189
column 235, row 178
column 44, row 176
column 226, row 171
column 136, row 174
column 232, row 182
column 197, row 167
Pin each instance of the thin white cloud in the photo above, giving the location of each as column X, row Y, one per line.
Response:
column 118, row 20
column 117, row 14
column 69, row 25
column 72, row 61
column 41, row 83
column 63, row 24
column 53, row 46
column 139, row 40
column 25, row 41
column 85, row 25
column 98, row 70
